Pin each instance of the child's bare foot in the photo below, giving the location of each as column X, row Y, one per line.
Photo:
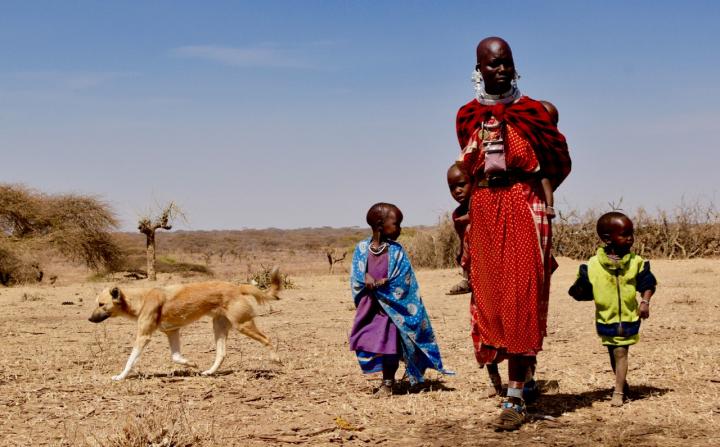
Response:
column 385, row 389
column 490, row 391
column 617, row 399
column 460, row 288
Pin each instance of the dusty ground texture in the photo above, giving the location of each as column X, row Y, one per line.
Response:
column 55, row 370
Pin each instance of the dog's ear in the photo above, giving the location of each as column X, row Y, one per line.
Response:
column 116, row 295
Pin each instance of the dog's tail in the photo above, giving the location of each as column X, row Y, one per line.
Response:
column 273, row 293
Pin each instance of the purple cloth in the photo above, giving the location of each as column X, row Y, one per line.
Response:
column 372, row 330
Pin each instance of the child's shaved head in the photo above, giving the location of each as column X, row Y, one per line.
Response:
column 377, row 213
column 608, row 220
column 552, row 110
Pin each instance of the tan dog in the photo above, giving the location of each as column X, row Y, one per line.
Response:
column 169, row 308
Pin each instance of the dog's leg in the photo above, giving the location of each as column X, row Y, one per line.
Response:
column 221, row 326
column 140, row 342
column 248, row 328
column 174, row 340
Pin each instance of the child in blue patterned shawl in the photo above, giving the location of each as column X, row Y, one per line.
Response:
column 391, row 323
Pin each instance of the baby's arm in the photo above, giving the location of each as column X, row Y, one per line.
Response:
column 549, row 199
column 464, row 219
column 582, row 290
column 646, row 284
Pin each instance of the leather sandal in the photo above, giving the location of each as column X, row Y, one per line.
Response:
column 511, row 417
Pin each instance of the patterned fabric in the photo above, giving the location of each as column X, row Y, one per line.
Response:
column 509, row 243
column 400, row 299
column 532, row 122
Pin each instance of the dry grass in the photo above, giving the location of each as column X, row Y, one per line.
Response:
column 55, row 370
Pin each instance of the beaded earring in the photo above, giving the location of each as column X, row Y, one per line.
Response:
column 477, row 81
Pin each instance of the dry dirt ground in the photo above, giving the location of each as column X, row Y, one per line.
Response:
column 55, row 370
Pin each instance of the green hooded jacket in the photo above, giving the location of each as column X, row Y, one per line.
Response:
column 614, row 285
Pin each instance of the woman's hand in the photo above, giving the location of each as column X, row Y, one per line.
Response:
column 644, row 309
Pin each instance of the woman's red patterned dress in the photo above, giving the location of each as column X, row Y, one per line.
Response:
column 510, row 235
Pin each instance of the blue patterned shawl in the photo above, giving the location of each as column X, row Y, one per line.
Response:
column 400, row 299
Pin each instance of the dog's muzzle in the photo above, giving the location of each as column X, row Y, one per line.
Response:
column 98, row 317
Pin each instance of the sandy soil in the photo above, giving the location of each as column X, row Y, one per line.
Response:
column 55, row 370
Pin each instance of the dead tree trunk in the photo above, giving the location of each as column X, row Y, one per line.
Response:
column 150, row 247
column 148, row 227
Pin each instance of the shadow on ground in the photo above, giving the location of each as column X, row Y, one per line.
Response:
column 404, row 387
column 556, row 404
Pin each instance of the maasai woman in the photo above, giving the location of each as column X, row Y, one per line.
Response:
column 391, row 323
column 510, row 146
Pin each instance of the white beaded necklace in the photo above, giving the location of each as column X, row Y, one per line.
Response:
column 378, row 250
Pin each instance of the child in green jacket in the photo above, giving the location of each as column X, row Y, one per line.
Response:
column 613, row 278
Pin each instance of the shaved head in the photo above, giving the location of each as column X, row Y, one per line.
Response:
column 608, row 221
column 492, row 44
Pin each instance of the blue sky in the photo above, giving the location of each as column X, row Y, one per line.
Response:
column 304, row 113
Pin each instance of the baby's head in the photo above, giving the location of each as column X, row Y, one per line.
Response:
column 616, row 231
column 459, row 183
column 552, row 110
column 385, row 219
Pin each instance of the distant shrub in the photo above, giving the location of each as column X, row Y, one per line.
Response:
column 18, row 268
column 262, row 277
column 136, row 265
column 432, row 247
column 182, row 268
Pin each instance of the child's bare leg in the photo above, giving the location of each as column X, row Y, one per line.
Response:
column 390, row 367
column 495, row 388
column 619, row 363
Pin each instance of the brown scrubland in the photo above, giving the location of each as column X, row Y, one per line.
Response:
column 55, row 366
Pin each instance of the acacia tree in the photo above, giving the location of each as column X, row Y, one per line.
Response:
column 32, row 223
column 148, row 225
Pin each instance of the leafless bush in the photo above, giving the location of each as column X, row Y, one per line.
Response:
column 75, row 226
column 434, row 247
column 262, row 278
column 688, row 231
column 691, row 230
column 335, row 255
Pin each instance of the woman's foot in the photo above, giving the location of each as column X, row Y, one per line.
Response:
column 512, row 416
column 490, row 391
column 385, row 389
column 617, row 399
column 495, row 388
